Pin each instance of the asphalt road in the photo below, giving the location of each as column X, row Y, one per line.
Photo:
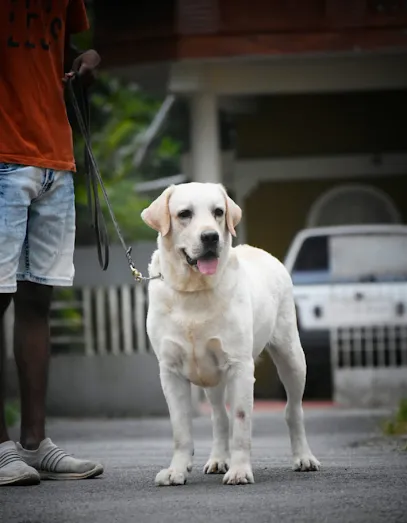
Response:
column 363, row 479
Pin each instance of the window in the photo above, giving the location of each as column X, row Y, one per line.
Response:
column 312, row 263
column 352, row 258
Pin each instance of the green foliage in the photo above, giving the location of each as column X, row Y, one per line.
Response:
column 12, row 413
column 67, row 319
column 120, row 115
column 402, row 411
column 398, row 424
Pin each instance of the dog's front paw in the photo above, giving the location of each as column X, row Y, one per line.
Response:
column 218, row 465
column 306, row 463
column 239, row 475
column 168, row 477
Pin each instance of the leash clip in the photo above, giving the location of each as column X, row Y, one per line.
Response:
column 135, row 272
column 139, row 278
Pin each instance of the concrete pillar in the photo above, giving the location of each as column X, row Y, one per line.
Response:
column 205, row 143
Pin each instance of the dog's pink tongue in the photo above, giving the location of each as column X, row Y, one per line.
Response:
column 207, row 267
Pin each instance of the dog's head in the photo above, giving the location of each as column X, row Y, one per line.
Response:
column 196, row 220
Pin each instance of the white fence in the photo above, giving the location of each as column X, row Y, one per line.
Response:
column 94, row 321
column 104, row 313
column 370, row 347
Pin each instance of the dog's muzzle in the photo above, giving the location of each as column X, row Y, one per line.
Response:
column 206, row 263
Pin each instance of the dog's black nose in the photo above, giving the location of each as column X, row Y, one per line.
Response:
column 209, row 237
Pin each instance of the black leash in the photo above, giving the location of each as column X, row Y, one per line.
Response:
column 93, row 179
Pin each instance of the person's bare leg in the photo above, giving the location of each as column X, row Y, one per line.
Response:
column 31, row 348
column 5, row 300
column 13, row 469
column 32, row 341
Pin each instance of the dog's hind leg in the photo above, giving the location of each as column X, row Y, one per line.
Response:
column 289, row 358
column 218, row 462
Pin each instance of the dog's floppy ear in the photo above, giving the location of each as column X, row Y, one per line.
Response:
column 157, row 215
column 233, row 212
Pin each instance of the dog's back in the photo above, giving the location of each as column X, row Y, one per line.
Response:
column 270, row 287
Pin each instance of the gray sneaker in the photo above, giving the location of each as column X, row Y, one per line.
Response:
column 13, row 470
column 53, row 463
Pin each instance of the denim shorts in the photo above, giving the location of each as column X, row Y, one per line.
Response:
column 37, row 226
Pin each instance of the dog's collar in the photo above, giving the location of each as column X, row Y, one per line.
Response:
column 158, row 276
column 140, row 278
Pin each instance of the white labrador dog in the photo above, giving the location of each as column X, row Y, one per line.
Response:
column 210, row 316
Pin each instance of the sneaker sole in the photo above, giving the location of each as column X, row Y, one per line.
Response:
column 21, row 481
column 97, row 471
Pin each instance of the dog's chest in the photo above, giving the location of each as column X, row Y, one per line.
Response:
column 195, row 349
column 204, row 361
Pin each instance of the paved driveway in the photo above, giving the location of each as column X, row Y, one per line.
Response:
column 363, row 479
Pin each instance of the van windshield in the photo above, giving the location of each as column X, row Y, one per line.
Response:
column 351, row 258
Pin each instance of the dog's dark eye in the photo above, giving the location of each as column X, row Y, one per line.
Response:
column 218, row 212
column 185, row 214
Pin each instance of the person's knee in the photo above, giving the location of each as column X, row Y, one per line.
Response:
column 32, row 299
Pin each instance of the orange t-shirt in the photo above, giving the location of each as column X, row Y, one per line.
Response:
column 34, row 127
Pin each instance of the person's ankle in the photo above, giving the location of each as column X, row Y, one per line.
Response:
column 3, row 433
column 4, row 438
column 30, row 443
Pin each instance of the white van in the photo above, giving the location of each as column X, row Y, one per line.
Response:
column 350, row 288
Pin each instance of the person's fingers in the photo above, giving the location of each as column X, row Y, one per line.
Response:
column 68, row 76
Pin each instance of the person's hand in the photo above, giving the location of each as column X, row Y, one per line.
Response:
column 85, row 66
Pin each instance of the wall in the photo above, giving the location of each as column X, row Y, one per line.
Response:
column 88, row 272
column 112, row 386
column 152, row 31
column 275, row 211
column 324, row 124
column 370, row 387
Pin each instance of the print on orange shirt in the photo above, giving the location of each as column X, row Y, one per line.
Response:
column 34, row 128
column 55, row 26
